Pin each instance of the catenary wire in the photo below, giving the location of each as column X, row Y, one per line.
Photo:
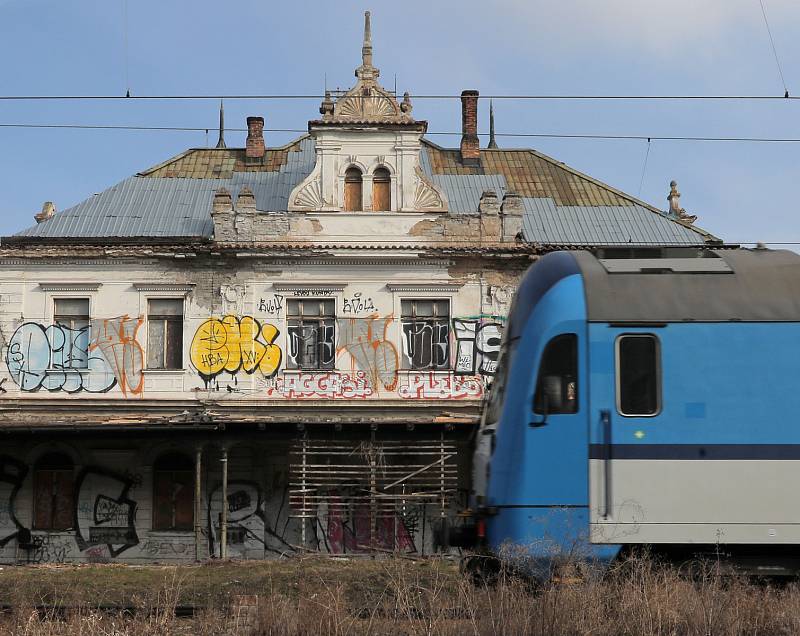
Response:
column 433, row 96
column 429, row 133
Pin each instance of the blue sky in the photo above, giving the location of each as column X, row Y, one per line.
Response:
column 740, row 192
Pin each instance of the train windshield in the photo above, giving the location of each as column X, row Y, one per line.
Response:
column 557, row 382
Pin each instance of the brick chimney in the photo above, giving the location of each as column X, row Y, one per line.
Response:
column 255, row 139
column 470, row 145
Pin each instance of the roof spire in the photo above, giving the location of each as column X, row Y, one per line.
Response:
column 492, row 142
column 366, row 49
column 221, row 142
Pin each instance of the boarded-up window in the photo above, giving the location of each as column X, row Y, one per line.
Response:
column 381, row 191
column 52, row 492
column 311, row 333
column 352, row 190
column 72, row 315
column 165, row 333
column 173, row 492
column 426, row 333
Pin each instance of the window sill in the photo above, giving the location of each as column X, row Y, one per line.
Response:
column 157, row 371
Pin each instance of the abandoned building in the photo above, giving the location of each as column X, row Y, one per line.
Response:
column 245, row 352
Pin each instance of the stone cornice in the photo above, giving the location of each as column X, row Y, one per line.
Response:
column 424, row 287
column 164, row 287
column 70, row 287
column 309, row 287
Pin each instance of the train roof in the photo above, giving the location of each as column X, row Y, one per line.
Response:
column 706, row 285
column 754, row 285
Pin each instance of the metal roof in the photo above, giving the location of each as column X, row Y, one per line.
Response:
column 546, row 223
column 175, row 205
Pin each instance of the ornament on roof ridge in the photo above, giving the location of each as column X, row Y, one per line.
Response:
column 367, row 101
column 675, row 208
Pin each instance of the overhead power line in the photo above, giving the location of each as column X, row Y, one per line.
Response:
column 442, row 96
column 647, row 138
column 774, row 50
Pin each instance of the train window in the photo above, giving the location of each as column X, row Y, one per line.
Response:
column 638, row 375
column 557, row 382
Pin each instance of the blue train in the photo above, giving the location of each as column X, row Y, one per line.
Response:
column 647, row 401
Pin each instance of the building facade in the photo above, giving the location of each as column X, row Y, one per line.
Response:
column 245, row 352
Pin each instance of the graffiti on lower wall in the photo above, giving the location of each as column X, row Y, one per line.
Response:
column 12, row 476
column 94, row 358
column 245, row 522
column 112, row 520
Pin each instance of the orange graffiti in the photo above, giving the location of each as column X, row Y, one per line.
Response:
column 116, row 339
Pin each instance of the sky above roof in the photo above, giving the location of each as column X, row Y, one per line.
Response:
column 741, row 192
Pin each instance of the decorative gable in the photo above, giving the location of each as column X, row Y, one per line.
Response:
column 365, row 133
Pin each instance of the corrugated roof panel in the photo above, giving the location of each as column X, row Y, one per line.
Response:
column 464, row 191
column 544, row 222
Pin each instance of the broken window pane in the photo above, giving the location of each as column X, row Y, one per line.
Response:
column 311, row 333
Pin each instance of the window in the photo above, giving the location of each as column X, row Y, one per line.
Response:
column 381, row 191
column 52, row 492
column 638, row 375
column 311, row 333
column 557, row 382
column 426, row 333
column 165, row 333
column 352, row 190
column 173, row 492
column 72, row 348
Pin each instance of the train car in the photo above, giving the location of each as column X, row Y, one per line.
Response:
column 648, row 401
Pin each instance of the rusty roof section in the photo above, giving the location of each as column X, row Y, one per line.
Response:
column 220, row 163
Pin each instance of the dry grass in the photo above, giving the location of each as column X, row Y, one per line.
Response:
column 398, row 596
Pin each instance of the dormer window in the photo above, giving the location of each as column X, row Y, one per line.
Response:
column 353, row 190
column 381, row 191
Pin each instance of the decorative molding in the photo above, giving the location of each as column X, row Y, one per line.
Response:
column 70, row 287
column 348, row 261
column 307, row 287
column 426, row 195
column 164, row 287
column 424, row 287
column 309, row 196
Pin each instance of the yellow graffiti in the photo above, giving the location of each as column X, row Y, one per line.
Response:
column 232, row 344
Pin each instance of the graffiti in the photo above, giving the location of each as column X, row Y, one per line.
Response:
column 246, row 519
column 311, row 343
column 365, row 340
column 348, row 530
column 48, row 549
column 93, row 358
column 273, row 306
column 477, row 346
column 232, row 344
column 438, row 385
column 330, row 385
column 426, row 344
column 232, row 298
column 113, row 518
column 167, row 548
column 356, row 304
column 116, row 340
column 12, row 474
column 2, row 388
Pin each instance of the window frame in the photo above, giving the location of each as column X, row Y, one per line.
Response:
column 55, row 316
column 161, row 472
column 165, row 319
column 382, row 178
column 577, row 367
column 304, row 319
column 407, row 365
column 351, row 170
column 618, row 375
column 42, row 466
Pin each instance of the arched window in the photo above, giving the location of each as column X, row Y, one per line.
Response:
column 381, row 191
column 352, row 190
column 52, row 492
column 173, row 492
